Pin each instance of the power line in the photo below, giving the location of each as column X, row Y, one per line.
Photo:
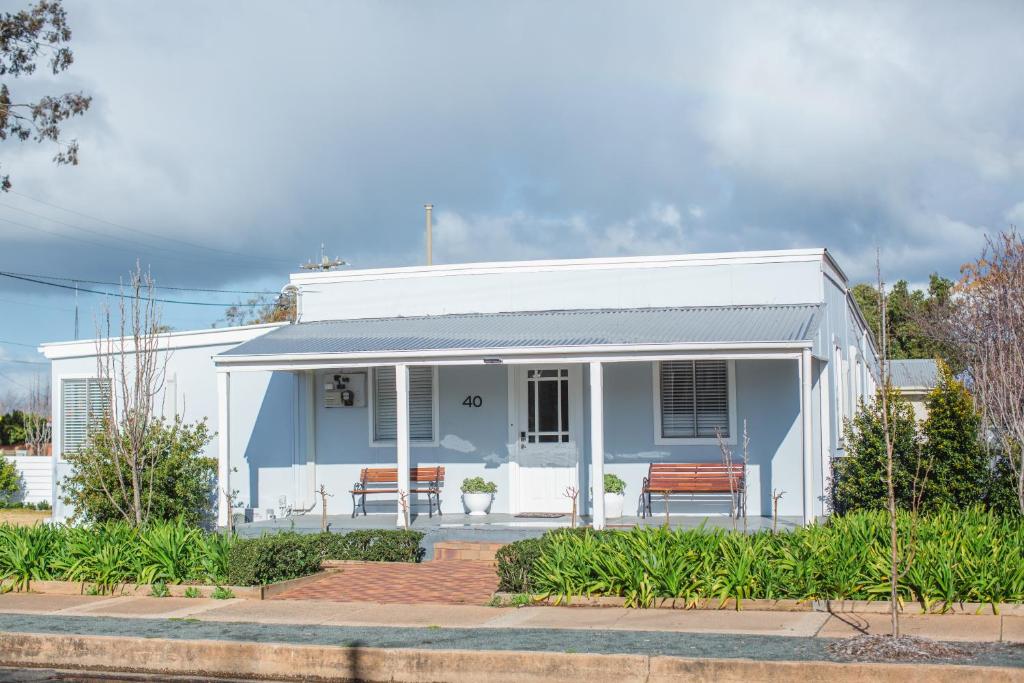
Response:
column 133, row 252
column 35, row 305
column 151, row 234
column 29, row 346
column 126, row 296
column 119, row 284
column 12, row 380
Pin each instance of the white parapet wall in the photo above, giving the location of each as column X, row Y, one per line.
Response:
column 36, row 476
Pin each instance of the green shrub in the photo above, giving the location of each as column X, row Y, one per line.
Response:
column 960, row 556
column 193, row 592
column 272, row 558
column 159, row 590
column 373, row 545
column 10, row 480
column 183, row 480
column 614, row 484
column 859, row 476
column 958, row 462
column 289, row 555
column 478, row 485
column 515, row 563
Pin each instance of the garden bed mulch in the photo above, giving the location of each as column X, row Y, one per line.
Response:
column 830, row 606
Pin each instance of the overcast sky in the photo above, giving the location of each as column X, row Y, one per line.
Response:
column 547, row 129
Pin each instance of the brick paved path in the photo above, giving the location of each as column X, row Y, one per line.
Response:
column 452, row 582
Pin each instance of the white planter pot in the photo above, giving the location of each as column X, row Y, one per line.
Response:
column 477, row 503
column 613, row 504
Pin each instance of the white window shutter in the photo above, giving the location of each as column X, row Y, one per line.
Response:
column 421, row 404
column 694, row 399
column 85, row 402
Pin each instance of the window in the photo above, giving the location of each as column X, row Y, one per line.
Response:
column 422, row 414
column 84, row 403
column 695, row 400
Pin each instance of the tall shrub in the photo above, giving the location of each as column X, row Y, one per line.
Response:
column 859, row 481
column 10, row 480
column 958, row 461
column 179, row 480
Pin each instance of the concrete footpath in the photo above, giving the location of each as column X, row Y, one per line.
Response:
column 286, row 640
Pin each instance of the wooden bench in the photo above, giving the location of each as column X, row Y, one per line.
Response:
column 668, row 479
column 428, row 480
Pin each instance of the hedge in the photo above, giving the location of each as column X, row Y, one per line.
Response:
column 960, row 556
column 289, row 555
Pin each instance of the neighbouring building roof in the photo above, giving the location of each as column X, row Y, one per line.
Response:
column 539, row 329
column 920, row 373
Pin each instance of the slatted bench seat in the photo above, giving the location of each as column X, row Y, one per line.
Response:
column 428, row 480
column 667, row 479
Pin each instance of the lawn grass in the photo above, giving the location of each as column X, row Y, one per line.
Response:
column 22, row 517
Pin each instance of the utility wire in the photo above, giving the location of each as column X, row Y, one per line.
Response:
column 134, row 252
column 12, row 380
column 35, row 305
column 151, row 234
column 126, row 296
column 29, row 346
column 119, row 284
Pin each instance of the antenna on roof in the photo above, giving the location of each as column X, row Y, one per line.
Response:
column 324, row 264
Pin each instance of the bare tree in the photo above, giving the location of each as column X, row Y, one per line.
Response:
column 901, row 556
column 134, row 366
column 37, row 416
column 987, row 329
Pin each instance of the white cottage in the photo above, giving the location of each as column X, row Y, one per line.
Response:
column 537, row 375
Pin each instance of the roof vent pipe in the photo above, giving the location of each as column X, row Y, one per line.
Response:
column 430, row 233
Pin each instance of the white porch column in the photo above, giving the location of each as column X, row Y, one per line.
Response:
column 597, row 442
column 223, row 447
column 402, row 438
column 807, row 445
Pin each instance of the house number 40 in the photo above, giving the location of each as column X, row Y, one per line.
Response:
column 473, row 401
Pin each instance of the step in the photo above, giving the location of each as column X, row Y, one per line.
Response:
column 465, row 550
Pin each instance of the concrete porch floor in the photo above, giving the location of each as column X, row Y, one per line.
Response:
column 493, row 528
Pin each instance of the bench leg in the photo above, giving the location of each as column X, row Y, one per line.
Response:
column 430, row 506
column 437, row 500
column 364, row 505
column 355, row 506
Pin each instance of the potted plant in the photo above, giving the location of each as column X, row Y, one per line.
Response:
column 614, row 496
column 477, row 494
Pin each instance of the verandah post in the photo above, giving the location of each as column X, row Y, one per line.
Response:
column 597, row 443
column 225, row 495
column 402, row 440
column 807, row 445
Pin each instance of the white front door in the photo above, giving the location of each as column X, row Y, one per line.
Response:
column 546, row 454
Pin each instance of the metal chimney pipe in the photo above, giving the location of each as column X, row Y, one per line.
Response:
column 430, row 233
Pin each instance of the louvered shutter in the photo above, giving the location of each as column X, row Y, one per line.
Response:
column 694, row 399
column 84, row 404
column 421, row 404
column 677, row 401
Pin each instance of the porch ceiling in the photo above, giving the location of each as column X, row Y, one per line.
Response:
column 789, row 324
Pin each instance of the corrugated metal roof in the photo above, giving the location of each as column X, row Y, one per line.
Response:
column 905, row 374
column 485, row 331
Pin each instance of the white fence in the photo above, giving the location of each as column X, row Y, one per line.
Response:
column 36, row 477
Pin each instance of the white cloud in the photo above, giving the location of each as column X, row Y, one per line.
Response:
column 659, row 127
